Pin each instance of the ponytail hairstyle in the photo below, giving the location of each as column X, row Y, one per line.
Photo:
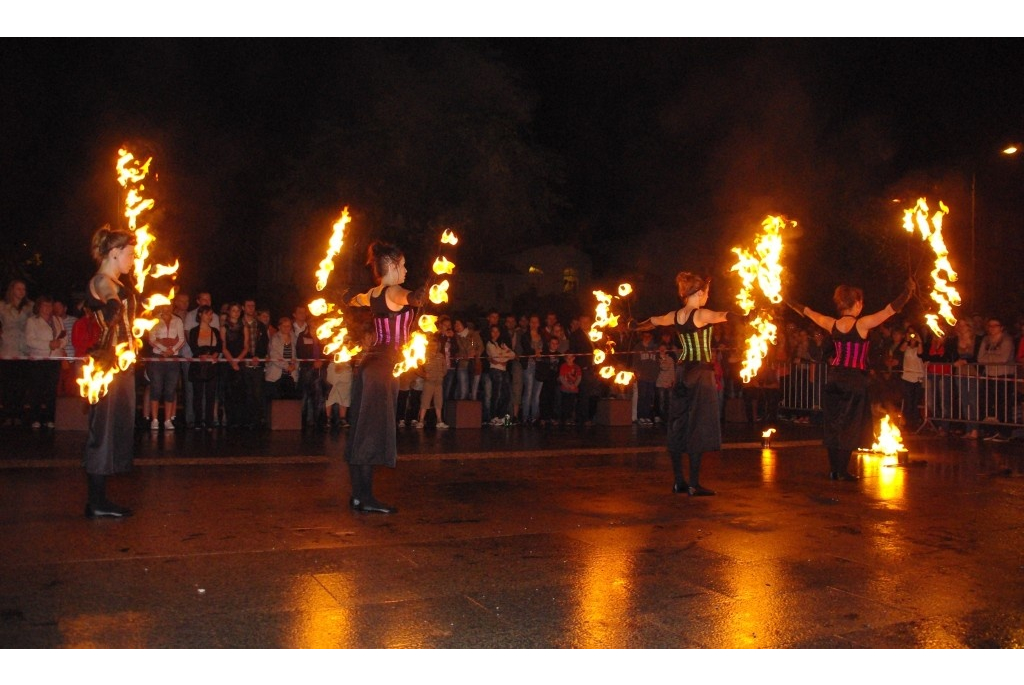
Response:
column 846, row 296
column 688, row 283
column 106, row 239
column 380, row 255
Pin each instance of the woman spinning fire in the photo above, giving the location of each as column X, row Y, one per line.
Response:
column 109, row 446
column 375, row 389
column 845, row 402
column 694, row 425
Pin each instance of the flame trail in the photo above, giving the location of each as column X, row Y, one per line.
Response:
column 604, row 318
column 760, row 273
column 943, row 294
column 131, row 173
column 414, row 352
column 333, row 329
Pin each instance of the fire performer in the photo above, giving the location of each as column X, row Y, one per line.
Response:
column 845, row 402
column 109, row 446
column 372, row 440
column 693, row 424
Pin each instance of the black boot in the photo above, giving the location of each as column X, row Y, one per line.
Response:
column 362, row 496
column 679, row 485
column 98, row 506
column 696, row 489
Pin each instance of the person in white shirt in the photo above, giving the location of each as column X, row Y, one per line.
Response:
column 44, row 338
column 166, row 338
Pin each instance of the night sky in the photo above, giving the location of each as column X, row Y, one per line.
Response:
column 653, row 155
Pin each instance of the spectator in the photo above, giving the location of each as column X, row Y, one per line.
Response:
column 996, row 356
column 281, row 377
column 912, row 378
column 665, row 382
column 339, row 398
column 547, row 371
column 206, row 344
column 44, row 338
column 166, row 338
column 470, row 367
column 499, row 354
column 534, row 343
column 645, row 361
column 235, row 349
column 570, row 375
column 966, row 370
column 432, row 373
column 15, row 311
column 259, row 343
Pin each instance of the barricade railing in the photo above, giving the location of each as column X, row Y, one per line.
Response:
column 971, row 394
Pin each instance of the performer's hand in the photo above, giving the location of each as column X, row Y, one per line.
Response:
column 910, row 285
column 632, row 325
column 418, row 297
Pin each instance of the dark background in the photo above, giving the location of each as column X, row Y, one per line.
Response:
column 651, row 155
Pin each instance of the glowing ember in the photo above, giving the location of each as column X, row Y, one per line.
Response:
column 943, row 294
column 443, row 266
column 428, row 323
column 889, row 441
column 333, row 248
column 439, row 292
column 760, row 268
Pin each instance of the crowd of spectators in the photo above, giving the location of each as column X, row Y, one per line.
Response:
column 209, row 368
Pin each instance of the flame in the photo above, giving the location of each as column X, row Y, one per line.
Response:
column 889, row 440
column 765, row 332
column 415, row 353
column 761, row 268
column 130, row 176
column 604, row 318
column 415, row 350
column 439, row 292
column 768, row 433
column 319, row 307
column 94, row 381
column 428, row 323
column 333, row 248
column 443, row 266
column 943, row 294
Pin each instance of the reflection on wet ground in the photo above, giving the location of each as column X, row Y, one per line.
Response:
column 514, row 539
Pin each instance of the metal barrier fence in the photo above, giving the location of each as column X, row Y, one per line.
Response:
column 964, row 395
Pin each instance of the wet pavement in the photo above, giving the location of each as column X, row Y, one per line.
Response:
column 513, row 538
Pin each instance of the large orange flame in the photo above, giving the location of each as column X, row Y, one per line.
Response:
column 130, row 175
column 890, row 440
column 333, row 329
column 943, row 294
column 762, row 268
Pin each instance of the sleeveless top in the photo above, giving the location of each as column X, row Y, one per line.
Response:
column 390, row 328
column 695, row 342
column 851, row 349
column 119, row 328
column 234, row 338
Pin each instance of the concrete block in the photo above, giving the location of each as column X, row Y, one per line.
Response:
column 613, row 412
column 463, row 413
column 286, row 415
column 71, row 414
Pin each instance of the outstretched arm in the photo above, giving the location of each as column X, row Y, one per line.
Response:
column 653, row 322
column 866, row 323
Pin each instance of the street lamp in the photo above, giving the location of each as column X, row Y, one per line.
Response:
column 1007, row 151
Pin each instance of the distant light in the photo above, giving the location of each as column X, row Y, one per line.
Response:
column 1012, row 150
column 536, row 270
